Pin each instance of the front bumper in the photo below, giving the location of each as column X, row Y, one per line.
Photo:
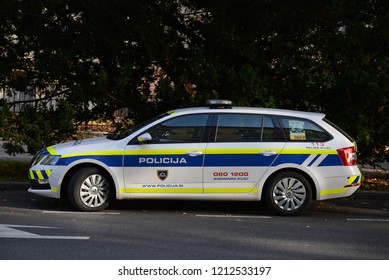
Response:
column 39, row 185
column 43, row 188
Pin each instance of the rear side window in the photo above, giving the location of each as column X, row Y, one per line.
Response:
column 271, row 131
column 248, row 128
column 239, row 128
column 296, row 129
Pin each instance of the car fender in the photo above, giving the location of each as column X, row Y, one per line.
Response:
column 261, row 185
column 61, row 172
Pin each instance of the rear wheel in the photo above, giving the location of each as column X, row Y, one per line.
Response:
column 289, row 193
column 89, row 189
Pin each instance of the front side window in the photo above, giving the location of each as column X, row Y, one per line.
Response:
column 183, row 129
column 239, row 128
column 296, row 129
column 119, row 135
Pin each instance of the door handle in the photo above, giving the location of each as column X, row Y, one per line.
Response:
column 268, row 153
column 194, row 153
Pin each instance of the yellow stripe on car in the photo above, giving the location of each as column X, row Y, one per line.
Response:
column 186, row 190
column 228, row 190
column 39, row 174
column 309, row 151
column 221, row 151
column 94, row 153
column 212, row 151
column 52, row 151
column 352, row 179
column 48, row 173
column 161, row 152
column 332, row 191
column 161, row 190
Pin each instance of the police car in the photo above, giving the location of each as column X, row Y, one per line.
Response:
column 218, row 152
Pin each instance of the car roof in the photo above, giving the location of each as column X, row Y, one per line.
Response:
column 252, row 110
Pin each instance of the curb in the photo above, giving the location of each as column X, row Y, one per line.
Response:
column 371, row 195
column 14, row 186
column 23, row 186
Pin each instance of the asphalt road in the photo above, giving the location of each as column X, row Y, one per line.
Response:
column 33, row 227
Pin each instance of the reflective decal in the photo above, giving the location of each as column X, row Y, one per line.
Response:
column 318, row 146
column 230, row 176
column 162, row 174
column 162, row 186
column 162, row 160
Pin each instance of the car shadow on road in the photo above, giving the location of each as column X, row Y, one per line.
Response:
column 22, row 199
column 353, row 205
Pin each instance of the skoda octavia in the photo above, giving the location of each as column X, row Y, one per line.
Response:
column 218, row 152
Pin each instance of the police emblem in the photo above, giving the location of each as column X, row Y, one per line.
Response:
column 162, row 174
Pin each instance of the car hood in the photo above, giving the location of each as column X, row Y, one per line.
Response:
column 81, row 146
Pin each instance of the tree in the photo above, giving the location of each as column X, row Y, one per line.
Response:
column 327, row 56
column 100, row 56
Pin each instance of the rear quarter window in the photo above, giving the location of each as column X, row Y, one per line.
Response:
column 303, row 130
column 350, row 138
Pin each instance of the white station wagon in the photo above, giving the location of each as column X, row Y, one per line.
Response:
column 219, row 152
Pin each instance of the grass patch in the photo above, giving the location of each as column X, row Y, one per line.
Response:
column 14, row 170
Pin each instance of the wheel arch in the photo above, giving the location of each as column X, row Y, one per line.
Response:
column 299, row 171
column 74, row 169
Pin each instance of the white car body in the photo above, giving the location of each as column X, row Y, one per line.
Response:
column 206, row 169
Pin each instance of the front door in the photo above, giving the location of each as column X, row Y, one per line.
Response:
column 172, row 162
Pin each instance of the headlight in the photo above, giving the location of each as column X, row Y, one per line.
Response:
column 49, row 160
column 45, row 160
column 37, row 158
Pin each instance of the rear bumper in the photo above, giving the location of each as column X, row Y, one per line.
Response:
column 336, row 187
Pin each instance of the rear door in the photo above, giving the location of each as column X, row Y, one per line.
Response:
column 244, row 147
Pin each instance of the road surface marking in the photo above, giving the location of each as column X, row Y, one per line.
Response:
column 9, row 231
column 369, row 220
column 233, row 216
column 73, row 212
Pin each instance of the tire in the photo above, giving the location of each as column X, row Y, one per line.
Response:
column 289, row 193
column 89, row 189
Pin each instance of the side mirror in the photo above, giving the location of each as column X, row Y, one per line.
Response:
column 144, row 138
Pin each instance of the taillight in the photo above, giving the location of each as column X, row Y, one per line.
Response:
column 348, row 156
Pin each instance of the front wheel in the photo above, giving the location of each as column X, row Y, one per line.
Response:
column 289, row 193
column 89, row 189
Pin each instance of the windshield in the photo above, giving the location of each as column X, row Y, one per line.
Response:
column 124, row 133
